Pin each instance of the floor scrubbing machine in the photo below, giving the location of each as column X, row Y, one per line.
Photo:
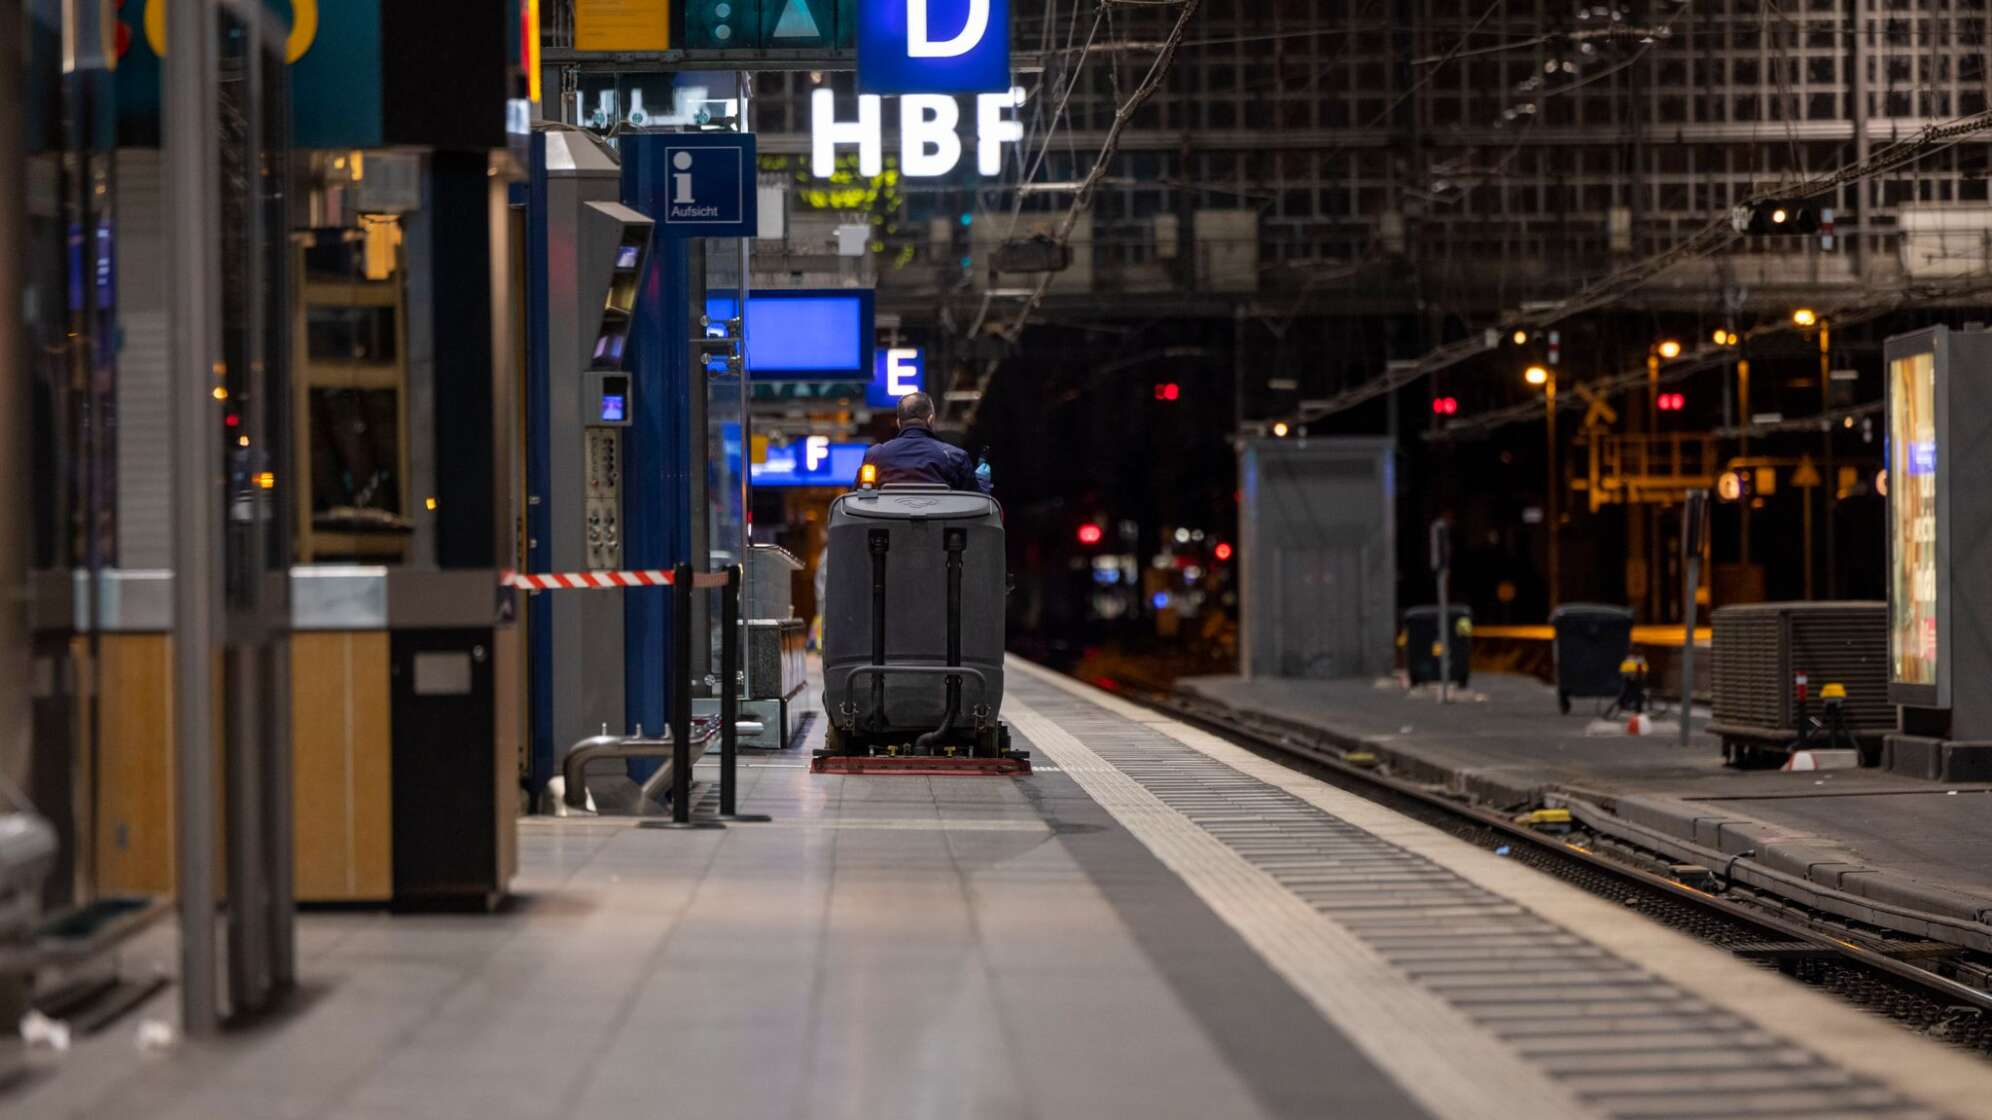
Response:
column 913, row 634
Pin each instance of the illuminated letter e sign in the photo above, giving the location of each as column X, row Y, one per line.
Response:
column 933, row 46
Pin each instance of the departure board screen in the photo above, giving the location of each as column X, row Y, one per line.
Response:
column 1912, row 513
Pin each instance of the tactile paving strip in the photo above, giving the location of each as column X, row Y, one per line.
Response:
column 1600, row 1028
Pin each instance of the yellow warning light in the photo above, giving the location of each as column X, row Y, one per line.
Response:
column 242, row 442
column 1834, row 691
column 1670, row 349
column 1805, row 317
column 1521, row 337
column 868, row 476
column 429, row 503
column 220, row 393
column 267, row 480
column 1280, row 428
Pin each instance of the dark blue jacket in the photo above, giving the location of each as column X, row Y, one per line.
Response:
column 918, row 455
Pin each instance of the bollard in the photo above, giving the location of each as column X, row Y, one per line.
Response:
column 681, row 695
column 729, row 698
column 681, row 707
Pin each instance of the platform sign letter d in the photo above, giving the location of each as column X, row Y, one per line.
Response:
column 933, row 46
column 918, row 45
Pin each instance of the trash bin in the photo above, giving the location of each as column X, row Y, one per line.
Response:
column 1592, row 640
column 1421, row 633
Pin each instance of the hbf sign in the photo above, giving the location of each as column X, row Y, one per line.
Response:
column 933, row 46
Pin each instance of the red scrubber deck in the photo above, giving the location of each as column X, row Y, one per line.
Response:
column 1005, row 766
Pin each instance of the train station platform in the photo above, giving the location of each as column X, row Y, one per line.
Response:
column 1897, row 852
column 1153, row 924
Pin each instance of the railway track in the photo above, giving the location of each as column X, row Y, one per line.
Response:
column 1932, row 990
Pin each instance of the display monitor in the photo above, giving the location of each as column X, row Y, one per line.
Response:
column 1914, row 625
column 813, row 334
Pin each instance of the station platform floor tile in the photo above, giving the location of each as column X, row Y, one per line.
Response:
column 1147, row 927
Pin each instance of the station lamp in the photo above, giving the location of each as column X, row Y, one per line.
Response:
column 1778, row 217
column 1804, row 317
column 1536, row 375
column 1669, row 349
column 1521, row 337
column 1280, row 429
column 1725, row 337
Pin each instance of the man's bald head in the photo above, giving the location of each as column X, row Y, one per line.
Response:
column 916, row 410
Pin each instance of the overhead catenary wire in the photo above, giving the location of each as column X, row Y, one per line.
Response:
column 1705, row 357
column 1717, row 234
column 1082, row 198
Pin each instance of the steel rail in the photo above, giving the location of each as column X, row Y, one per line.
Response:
column 1314, row 747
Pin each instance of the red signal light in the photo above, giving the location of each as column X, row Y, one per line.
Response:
column 1445, row 406
column 1222, row 551
column 1673, row 402
column 1090, row 533
column 1168, row 391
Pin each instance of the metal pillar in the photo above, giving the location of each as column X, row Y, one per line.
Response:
column 192, row 196
column 746, row 472
column 1550, row 504
column 16, row 429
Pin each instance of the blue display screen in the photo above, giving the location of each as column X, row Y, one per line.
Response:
column 803, row 334
column 1923, row 457
column 614, row 408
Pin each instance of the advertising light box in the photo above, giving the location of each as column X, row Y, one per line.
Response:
column 1939, row 530
column 803, row 334
column 1913, row 526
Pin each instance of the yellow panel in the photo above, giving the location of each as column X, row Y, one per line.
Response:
column 134, row 798
column 509, row 686
column 622, row 25
column 342, row 770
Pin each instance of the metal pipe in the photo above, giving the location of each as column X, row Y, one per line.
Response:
column 192, row 155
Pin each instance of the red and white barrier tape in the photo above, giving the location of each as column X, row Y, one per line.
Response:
column 606, row 581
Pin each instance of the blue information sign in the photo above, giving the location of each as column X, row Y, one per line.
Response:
column 711, row 177
column 933, row 46
column 899, row 370
column 815, row 461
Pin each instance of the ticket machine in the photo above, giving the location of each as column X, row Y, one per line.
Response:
column 590, row 254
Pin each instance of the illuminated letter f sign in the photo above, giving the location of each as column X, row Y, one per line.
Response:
column 919, row 46
column 933, row 46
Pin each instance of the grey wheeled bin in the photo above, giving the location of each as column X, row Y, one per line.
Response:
column 1592, row 641
column 913, row 623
